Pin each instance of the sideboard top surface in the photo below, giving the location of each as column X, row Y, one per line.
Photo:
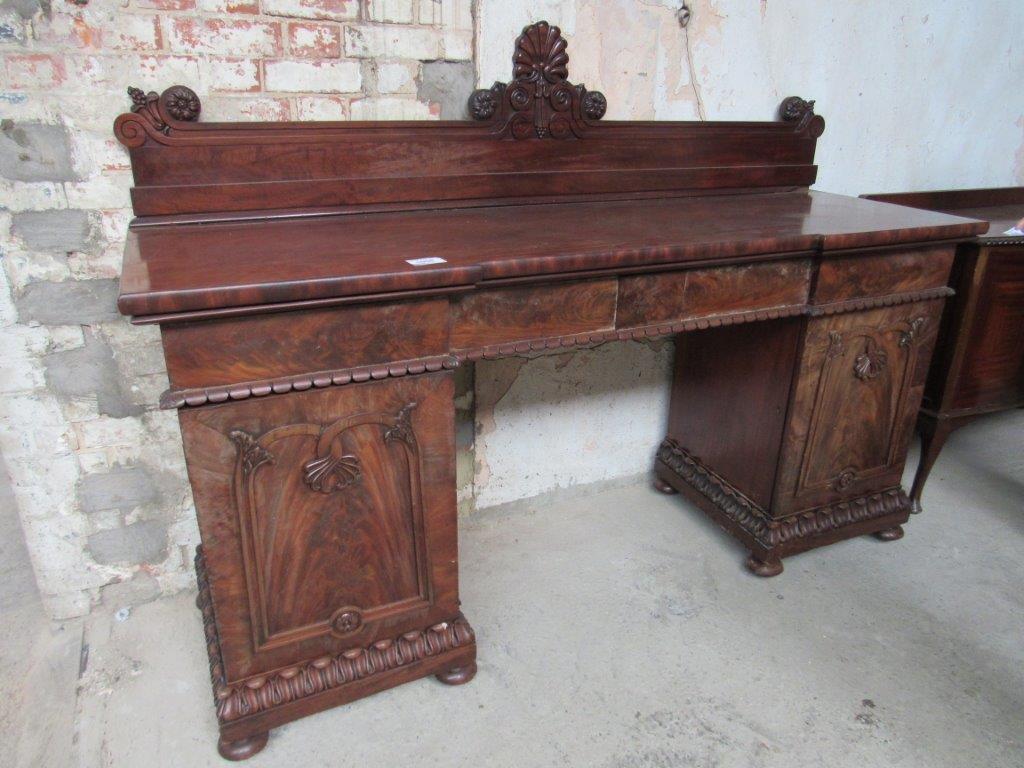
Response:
column 182, row 268
column 535, row 187
column 1002, row 207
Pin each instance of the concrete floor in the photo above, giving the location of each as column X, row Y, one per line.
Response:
column 618, row 628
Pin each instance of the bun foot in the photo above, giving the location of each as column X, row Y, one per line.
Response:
column 242, row 749
column 890, row 534
column 457, row 675
column 764, row 568
column 661, row 485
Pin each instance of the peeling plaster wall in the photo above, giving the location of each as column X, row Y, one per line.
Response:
column 916, row 95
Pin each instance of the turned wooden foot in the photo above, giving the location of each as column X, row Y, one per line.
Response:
column 890, row 534
column 661, row 485
column 764, row 568
column 457, row 675
column 243, row 748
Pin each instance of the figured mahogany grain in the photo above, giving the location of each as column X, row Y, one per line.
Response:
column 286, row 557
column 231, row 350
column 693, row 293
column 730, row 391
column 859, row 275
column 499, row 315
column 859, row 385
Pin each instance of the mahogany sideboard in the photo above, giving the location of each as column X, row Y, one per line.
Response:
column 978, row 366
column 317, row 283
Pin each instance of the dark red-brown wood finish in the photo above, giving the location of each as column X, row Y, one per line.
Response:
column 316, row 284
column 978, row 366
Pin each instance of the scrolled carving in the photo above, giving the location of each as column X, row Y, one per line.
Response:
column 402, row 428
column 250, row 452
column 153, row 114
column 801, row 111
column 908, row 336
column 540, row 101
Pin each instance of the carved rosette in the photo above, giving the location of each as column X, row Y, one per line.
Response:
column 801, row 113
column 539, row 101
column 156, row 115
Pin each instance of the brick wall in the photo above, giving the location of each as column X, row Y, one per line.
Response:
column 97, row 472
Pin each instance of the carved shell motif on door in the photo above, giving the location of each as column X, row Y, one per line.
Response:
column 320, row 506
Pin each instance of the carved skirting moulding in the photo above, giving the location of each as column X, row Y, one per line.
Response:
column 767, row 531
column 256, row 694
column 539, row 102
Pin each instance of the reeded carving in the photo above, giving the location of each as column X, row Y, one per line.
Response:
column 252, row 454
column 801, row 111
column 402, row 428
column 264, row 692
column 539, row 101
column 151, row 113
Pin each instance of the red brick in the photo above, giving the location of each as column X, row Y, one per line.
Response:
column 167, row 5
column 35, row 70
column 311, row 40
column 230, row 6
column 225, row 36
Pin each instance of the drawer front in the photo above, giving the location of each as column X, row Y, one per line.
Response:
column 859, row 387
column 232, row 350
column 327, row 517
column 502, row 315
column 992, row 367
column 857, row 276
column 671, row 296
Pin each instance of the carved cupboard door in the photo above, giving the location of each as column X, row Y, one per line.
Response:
column 859, row 386
column 327, row 517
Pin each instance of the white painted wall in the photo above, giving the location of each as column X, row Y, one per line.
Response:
column 917, row 94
